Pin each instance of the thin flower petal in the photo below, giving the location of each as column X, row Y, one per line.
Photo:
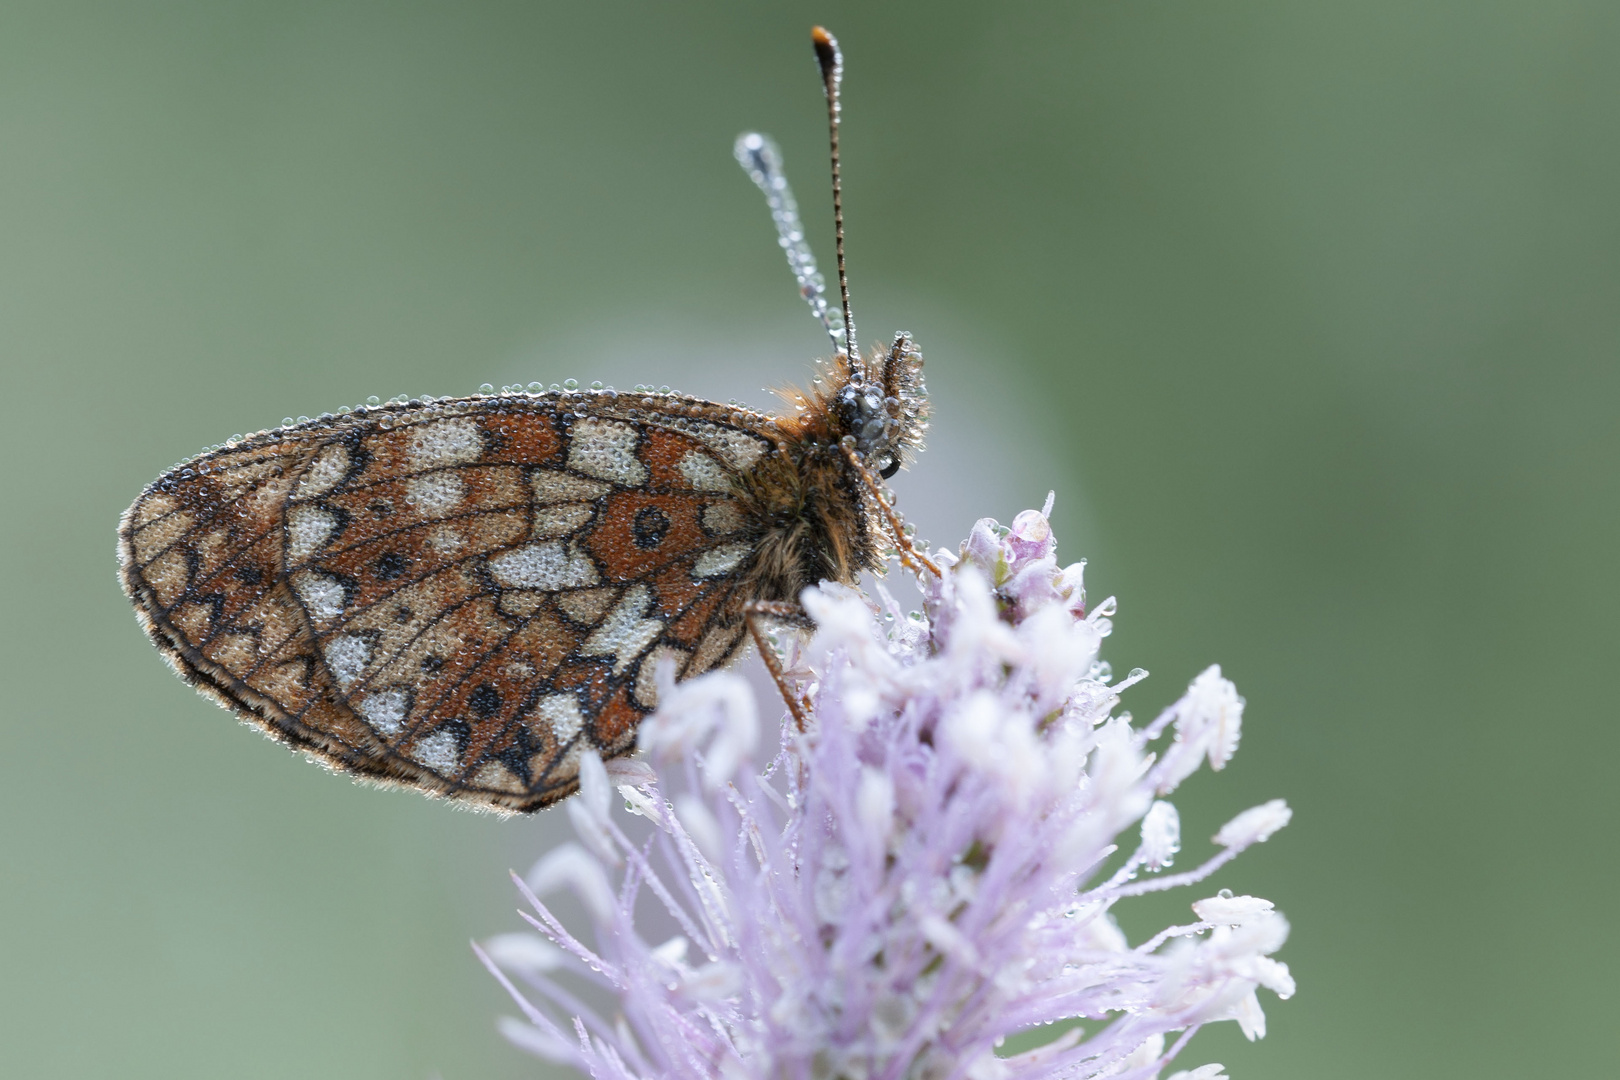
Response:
column 1255, row 825
column 1232, row 910
column 568, row 866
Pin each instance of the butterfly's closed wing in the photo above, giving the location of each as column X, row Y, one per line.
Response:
column 463, row 595
column 455, row 596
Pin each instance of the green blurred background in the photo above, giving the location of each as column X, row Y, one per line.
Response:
column 1309, row 310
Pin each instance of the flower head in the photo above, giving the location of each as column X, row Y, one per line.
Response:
column 929, row 869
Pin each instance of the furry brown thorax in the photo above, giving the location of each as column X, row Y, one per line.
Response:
column 822, row 523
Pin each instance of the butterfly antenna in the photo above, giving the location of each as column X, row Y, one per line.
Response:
column 762, row 161
column 831, row 62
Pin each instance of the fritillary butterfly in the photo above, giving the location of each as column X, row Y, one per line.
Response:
column 460, row 595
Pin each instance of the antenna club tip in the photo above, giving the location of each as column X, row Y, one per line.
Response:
column 827, row 54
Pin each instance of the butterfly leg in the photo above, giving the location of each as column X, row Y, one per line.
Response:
column 777, row 611
column 909, row 555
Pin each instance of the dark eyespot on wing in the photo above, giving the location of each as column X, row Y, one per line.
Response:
column 485, row 700
column 390, row 565
column 650, row 527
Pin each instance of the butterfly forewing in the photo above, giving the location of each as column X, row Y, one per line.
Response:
column 458, row 596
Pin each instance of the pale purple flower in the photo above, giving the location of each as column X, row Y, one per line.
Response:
column 930, row 869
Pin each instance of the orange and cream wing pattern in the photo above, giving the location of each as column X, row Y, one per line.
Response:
column 458, row 596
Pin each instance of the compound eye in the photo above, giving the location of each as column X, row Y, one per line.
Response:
column 891, row 468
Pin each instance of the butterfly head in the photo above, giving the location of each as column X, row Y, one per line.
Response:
column 881, row 404
column 884, row 406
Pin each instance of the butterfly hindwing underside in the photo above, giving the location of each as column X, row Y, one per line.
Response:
column 458, row 596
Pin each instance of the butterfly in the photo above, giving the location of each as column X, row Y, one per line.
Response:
column 463, row 595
